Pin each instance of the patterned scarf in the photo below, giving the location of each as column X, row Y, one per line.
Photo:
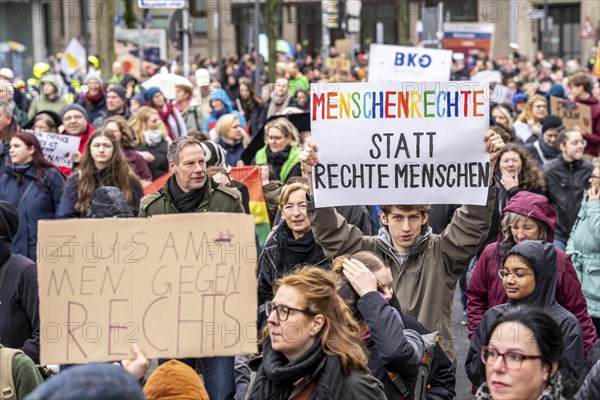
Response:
column 552, row 392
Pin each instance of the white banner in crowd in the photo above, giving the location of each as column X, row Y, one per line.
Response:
column 400, row 143
column 389, row 63
column 58, row 148
column 487, row 76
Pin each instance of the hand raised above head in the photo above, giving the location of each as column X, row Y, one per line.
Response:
column 309, row 157
column 493, row 145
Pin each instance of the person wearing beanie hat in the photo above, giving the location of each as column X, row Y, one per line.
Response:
column 75, row 122
column 168, row 113
column 547, row 147
column 19, row 318
column 93, row 99
column 175, row 380
column 49, row 98
column 116, row 102
column 136, row 102
column 91, row 382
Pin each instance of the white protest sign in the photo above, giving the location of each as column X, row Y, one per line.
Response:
column 487, row 76
column 503, row 94
column 58, row 148
column 400, row 143
column 389, row 63
column 178, row 285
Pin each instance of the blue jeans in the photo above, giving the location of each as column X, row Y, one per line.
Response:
column 218, row 373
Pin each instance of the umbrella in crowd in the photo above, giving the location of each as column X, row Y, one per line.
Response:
column 166, row 82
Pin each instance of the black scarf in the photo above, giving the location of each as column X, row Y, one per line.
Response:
column 278, row 159
column 295, row 251
column 185, row 202
column 276, row 376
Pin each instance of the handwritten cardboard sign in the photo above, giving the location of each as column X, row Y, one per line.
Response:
column 400, row 143
column 179, row 285
column 389, row 63
column 58, row 148
column 574, row 115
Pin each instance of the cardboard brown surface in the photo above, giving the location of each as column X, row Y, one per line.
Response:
column 574, row 115
column 179, row 285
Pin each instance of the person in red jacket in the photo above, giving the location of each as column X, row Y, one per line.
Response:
column 527, row 216
column 580, row 87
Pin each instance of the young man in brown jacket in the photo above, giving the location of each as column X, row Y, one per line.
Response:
column 425, row 266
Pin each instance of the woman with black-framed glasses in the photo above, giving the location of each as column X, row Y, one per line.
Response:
column 311, row 345
column 524, row 358
column 529, row 276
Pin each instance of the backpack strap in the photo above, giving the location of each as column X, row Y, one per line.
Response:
column 401, row 386
column 22, row 199
column 536, row 144
column 431, row 341
column 7, row 384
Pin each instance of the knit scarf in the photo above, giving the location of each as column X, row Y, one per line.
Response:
column 164, row 114
column 183, row 105
column 93, row 101
column 296, row 251
column 185, row 202
column 278, row 159
column 20, row 168
column 552, row 392
column 276, row 376
column 153, row 137
column 549, row 152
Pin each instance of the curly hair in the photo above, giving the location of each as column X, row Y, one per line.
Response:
column 117, row 173
column 527, row 113
column 340, row 334
column 531, row 177
column 139, row 122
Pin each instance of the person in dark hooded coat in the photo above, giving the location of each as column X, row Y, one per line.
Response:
column 19, row 301
column 529, row 277
column 527, row 216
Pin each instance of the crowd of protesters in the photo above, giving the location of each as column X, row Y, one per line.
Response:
column 366, row 285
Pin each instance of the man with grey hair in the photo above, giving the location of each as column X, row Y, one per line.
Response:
column 7, row 93
column 189, row 190
column 8, row 125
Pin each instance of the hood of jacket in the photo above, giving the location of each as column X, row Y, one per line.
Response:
column 534, row 206
column 221, row 94
column 590, row 101
column 385, row 237
column 557, row 90
column 543, row 257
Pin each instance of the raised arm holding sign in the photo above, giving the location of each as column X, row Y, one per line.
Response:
column 425, row 266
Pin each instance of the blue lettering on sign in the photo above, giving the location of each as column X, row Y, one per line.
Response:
column 412, row 59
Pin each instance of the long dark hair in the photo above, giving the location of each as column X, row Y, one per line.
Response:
column 117, row 173
column 531, row 177
column 38, row 162
column 254, row 101
column 548, row 337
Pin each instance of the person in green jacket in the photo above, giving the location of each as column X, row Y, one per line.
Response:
column 25, row 374
column 189, row 190
column 281, row 151
column 49, row 98
column 584, row 245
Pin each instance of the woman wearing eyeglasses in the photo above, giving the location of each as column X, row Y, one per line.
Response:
column 528, row 275
column 311, row 346
column 527, row 216
column 291, row 244
column 584, row 245
column 523, row 358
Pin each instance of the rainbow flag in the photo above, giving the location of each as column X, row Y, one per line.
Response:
column 250, row 176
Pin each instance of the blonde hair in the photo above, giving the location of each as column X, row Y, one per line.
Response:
column 139, row 123
column 289, row 189
column 286, row 127
column 510, row 219
column 224, row 124
column 340, row 335
column 527, row 113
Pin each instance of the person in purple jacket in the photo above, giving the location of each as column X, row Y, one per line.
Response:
column 527, row 216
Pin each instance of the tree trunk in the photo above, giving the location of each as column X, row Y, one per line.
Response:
column 403, row 21
column 105, row 32
column 273, row 14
